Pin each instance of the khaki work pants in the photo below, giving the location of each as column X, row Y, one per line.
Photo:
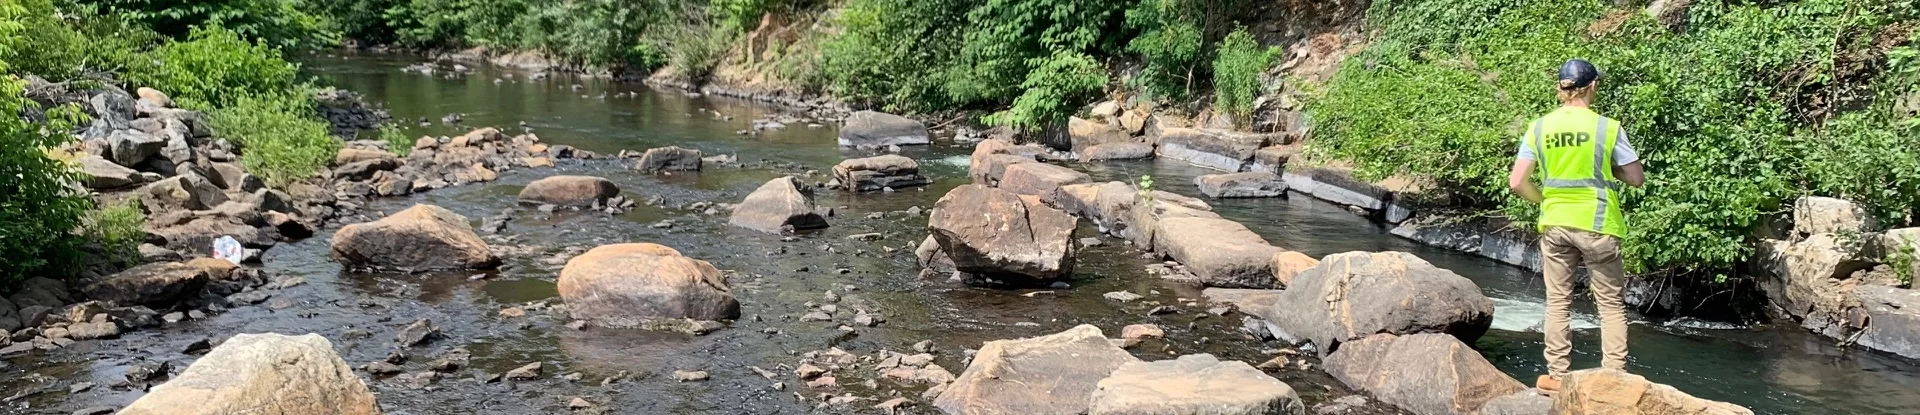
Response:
column 1562, row 249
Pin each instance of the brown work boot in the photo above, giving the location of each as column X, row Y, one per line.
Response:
column 1548, row 384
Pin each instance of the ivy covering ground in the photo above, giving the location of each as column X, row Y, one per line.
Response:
column 1743, row 108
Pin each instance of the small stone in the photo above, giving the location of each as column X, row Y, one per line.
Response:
column 816, row 316
column 173, row 317
column 513, row 312
column 779, row 386
column 823, row 382
column 809, row 371
column 420, row 332
column 79, row 387
column 577, row 324
column 579, row 404
column 382, row 368
column 96, row 410
column 149, row 370
column 199, row 346
column 528, row 372
column 1162, row 310
column 690, row 376
column 1121, row 296
column 196, row 314
column 831, row 297
column 924, row 346
column 1090, row 242
column 397, row 357
column 869, row 320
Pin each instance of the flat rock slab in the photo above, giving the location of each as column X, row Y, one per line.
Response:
column 1215, row 149
column 1356, row 294
column 1116, row 151
column 624, row 285
column 1249, row 301
column 1893, row 319
column 423, row 237
column 1612, row 392
column 877, row 173
column 781, row 205
column 1223, row 253
column 671, row 158
column 157, row 285
column 872, row 129
column 1055, row 374
column 577, row 191
column 266, row 374
column 1193, row 384
column 1421, row 373
column 1083, row 134
column 1241, row 185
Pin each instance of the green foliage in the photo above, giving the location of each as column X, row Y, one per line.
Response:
column 895, row 52
column 397, row 142
column 1146, row 187
column 216, row 68
column 1901, row 257
column 38, row 205
column 1236, row 74
column 1053, row 90
column 1009, row 39
column 694, row 50
column 1445, row 92
column 1169, row 43
column 118, row 230
column 280, row 139
column 64, row 50
column 280, row 23
column 363, row 20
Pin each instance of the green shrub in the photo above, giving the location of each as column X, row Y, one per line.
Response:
column 1006, row 40
column 1236, row 74
column 280, row 139
column 280, row 23
column 118, row 229
column 397, row 142
column 39, row 207
column 694, row 50
column 1444, row 93
column 1053, row 91
column 895, row 52
column 216, row 68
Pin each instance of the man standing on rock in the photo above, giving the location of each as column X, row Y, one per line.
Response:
column 1581, row 154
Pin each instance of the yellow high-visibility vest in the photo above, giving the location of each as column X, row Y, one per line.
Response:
column 1574, row 149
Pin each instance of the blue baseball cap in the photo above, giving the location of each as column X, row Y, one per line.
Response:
column 1581, row 72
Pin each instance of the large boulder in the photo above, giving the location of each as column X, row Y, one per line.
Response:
column 876, row 173
column 1249, row 184
column 187, row 191
column 157, row 285
column 1356, row 294
column 627, row 284
column 1215, row 149
column 579, row 191
column 1116, row 151
column 1193, row 384
column 130, row 147
column 1146, row 212
column 783, row 204
column 423, row 237
column 1273, row 159
column 196, row 232
column 1052, row 374
column 991, row 157
column 1083, row 134
column 1426, row 374
column 1807, row 279
column 1817, row 215
column 1613, row 392
column 872, row 129
column 995, row 232
column 1039, row 179
column 671, row 158
column 106, row 175
column 1892, row 319
column 41, row 292
column 264, row 374
column 1223, row 253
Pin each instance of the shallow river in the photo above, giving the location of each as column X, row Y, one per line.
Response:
column 1775, row 370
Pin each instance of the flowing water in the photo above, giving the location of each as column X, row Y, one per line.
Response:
column 1774, row 370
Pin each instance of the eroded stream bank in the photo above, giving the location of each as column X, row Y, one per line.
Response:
column 1772, row 370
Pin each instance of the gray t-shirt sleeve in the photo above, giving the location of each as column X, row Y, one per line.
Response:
column 1623, row 152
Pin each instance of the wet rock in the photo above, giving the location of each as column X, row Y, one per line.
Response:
column 417, row 380
column 576, row 191
column 1121, row 296
column 1809, row 279
column 264, row 374
column 1142, row 331
column 1040, row 179
column 1241, row 185
column 148, row 371
column 365, row 169
column 1116, row 151
column 1273, row 159
column 382, row 368
column 529, row 372
column 879, row 173
column 669, row 159
column 420, row 332
column 991, row 231
column 808, row 371
column 1193, row 384
column 156, row 285
column 1422, row 373
column 182, row 192
column 198, row 346
column 870, row 129
column 1818, row 215
column 1221, row 252
column 1612, row 392
column 782, row 204
column 421, row 237
column 1052, row 374
column 1383, row 292
column 579, row 404
column 1215, row 149
column 1891, row 319
column 625, row 284
column 93, row 330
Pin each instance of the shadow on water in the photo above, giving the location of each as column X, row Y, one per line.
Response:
column 1779, row 370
